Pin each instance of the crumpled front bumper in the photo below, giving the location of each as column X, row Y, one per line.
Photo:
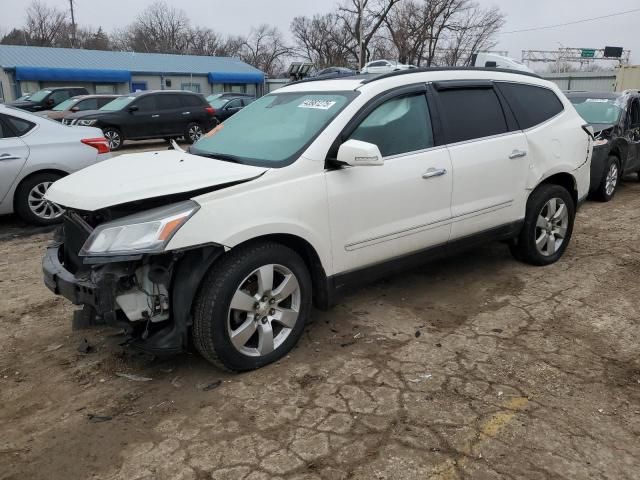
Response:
column 96, row 291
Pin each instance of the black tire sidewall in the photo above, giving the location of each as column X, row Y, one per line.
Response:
column 602, row 189
column 113, row 129
column 21, row 201
column 186, row 133
column 528, row 250
column 219, row 288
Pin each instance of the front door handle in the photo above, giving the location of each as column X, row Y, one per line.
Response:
column 517, row 154
column 8, row 156
column 432, row 172
column 155, row 116
column 186, row 113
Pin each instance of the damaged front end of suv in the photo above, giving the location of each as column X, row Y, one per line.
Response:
column 113, row 263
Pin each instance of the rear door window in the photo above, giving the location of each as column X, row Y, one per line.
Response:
column 530, row 104
column 471, row 113
column 400, row 125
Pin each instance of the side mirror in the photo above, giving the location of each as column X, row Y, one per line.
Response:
column 75, row 109
column 356, row 153
column 50, row 102
column 133, row 108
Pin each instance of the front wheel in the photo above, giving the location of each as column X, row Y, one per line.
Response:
column 548, row 226
column 252, row 306
column 610, row 179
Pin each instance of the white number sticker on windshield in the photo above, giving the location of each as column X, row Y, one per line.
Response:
column 596, row 100
column 317, row 104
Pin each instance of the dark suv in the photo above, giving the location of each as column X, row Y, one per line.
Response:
column 615, row 118
column 48, row 98
column 150, row 114
column 224, row 107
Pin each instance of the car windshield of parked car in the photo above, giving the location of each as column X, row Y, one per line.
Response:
column 39, row 95
column 213, row 96
column 598, row 110
column 117, row 104
column 218, row 102
column 273, row 129
column 66, row 105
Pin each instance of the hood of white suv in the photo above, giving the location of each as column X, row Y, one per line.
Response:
column 141, row 176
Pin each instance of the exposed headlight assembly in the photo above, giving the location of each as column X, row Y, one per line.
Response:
column 86, row 123
column 145, row 232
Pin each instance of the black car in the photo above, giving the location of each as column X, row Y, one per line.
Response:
column 224, row 107
column 615, row 118
column 215, row 96
column 332, row 72
column 47, row 98
column 150, row 114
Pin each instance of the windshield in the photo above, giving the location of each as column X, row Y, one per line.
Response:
column 274, row 128
column 117, row 104
column 212, row 97
column 218, row 102
column 39, row 95
column 66, row 105
column 598, row 110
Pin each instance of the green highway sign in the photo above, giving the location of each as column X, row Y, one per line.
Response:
column 588, row 53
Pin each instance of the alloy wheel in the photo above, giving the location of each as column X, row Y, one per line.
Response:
column 264, row 310
column 40, row 206
column 611, row 180
column 113, row 138
column 551, row 226
column 195, row 132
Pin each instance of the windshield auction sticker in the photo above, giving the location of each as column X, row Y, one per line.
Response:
column 317, row 104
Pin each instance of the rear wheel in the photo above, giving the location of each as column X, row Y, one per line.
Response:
column 194, row 132
column 610, row 180
column 547, row 228
column 30, row 203
column 252, row 306
column 114, row 137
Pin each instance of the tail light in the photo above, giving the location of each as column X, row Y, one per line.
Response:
column 211, row 111
column 101, row 144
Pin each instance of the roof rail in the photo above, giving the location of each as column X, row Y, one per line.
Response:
column 444, row 69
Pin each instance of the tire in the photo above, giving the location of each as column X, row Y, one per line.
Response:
column 216, row 322
column 540, row 209
column 114, row 137
column 193, row 132
column 610, row 180
column 30, row 204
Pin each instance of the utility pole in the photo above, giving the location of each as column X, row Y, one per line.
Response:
column 73, row 25
column 360, row 34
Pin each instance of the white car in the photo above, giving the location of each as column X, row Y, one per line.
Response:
column 315, row 187
column 34, row 153
column 384, row 66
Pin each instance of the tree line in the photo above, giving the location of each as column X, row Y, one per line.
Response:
column 419, row 32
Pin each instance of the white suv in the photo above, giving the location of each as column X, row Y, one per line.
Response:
column 310, row 189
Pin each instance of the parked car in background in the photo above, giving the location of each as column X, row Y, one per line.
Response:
column 34, row 153
column 493, row 60
column 47, row 98
column 80, row 103
column 150, row 114
column 225, row 107
column 334, row 72
column 314, row 188
column 215, row 96
column 384, row 66
column 615, row 119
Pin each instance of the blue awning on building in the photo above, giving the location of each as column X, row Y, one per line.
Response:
column 236, row 77
column 72, row 75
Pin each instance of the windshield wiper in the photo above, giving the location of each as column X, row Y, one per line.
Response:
column 225, row 157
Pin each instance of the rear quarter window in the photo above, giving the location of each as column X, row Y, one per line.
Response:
column 18, row 125
column 193, row 101
column 530, row 104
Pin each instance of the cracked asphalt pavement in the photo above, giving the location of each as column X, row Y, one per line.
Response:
column 474, row 367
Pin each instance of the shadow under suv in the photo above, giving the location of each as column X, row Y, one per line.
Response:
column 148, row 115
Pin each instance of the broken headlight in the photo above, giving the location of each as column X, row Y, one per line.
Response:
column 145, row 232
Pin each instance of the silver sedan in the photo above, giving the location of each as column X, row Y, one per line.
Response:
column 34, row 153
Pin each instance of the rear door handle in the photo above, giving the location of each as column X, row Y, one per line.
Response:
column 7, row 156
column 432, row 172
column 517, row 154
column 155, row 116
column 186, row 113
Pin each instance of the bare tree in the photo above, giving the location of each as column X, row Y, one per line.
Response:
column 321, row 40
column 265, row 49
column 159, row 28
column 362, row 19
column 44, row 24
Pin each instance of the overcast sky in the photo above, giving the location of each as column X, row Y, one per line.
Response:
column 237, row 16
